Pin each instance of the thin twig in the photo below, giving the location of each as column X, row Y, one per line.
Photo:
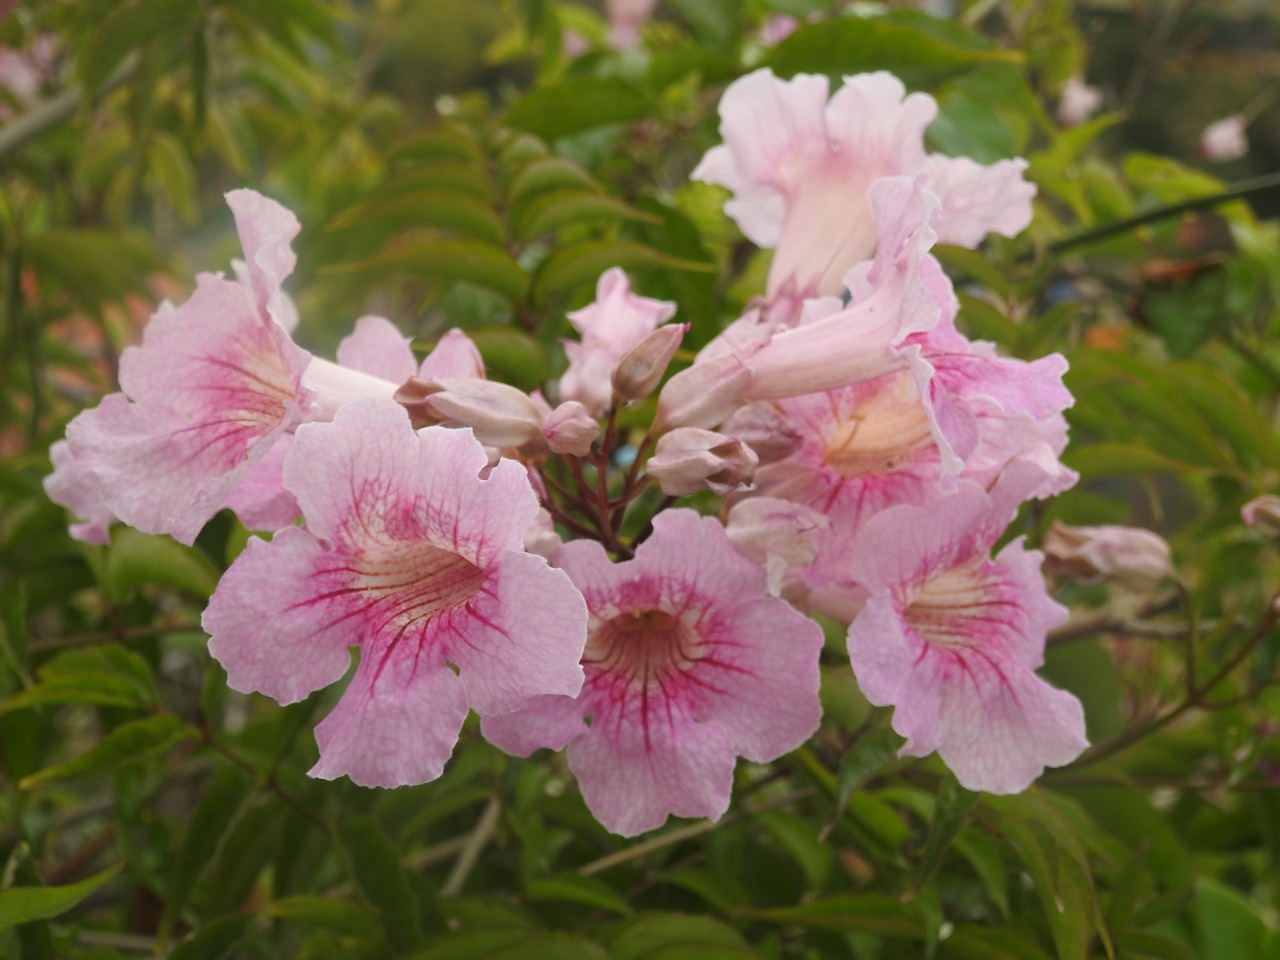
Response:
column 474, row 843
column 47, row 114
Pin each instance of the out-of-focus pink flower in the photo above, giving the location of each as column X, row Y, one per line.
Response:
column 684, row 648
column 610, row 326
column 1263, row 514
column 626, row 17
column 777, row 28
column 1135, row 557
column 80, row 492
column 951, row 639
column 1078, row 102
column 801, row 167
column 410, row 556
column 1225, row 139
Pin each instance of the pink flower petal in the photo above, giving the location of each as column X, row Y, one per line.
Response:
column 377, row 348
column 266, row 230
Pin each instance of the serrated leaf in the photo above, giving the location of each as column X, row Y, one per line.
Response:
column 130, row 743
column 470, row 260
column 431, row 207
column 550, row 211
column 572, row 266
column 573, row 106
column 377, row 872
column 588, row 891
column 136, row 559
column 26, row 904
column 860, row 44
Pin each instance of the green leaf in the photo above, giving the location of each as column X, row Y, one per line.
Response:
column 130, row 743
column 480, row 263
column 214, row 940
column 1097, row 460
column 1230, row 926
column 341, row 916
column 573, row 106
column 971, row 942
column 550, row 211
column 866, row 757
column 1143, row 945
column 25, row 904
column 511, row 945
column 512, row 356
column 954, row 805
column 870, row 913
column 135, row 559
column 588, row 891
column 223, row 798
column 543, row 174
column 377, row 872
column 107, row 675
column 174, row 175
column 653, row 935
column 713, row 23
column 128, row 26
column 447, row 143
column 431, row 207
column 859, row 44
column 573, row 265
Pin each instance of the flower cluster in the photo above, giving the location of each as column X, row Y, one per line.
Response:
column 867, row 457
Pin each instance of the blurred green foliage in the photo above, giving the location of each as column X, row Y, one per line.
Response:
column 453, row 165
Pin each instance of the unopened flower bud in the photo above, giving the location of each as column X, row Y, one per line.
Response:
column 640, row 370
column 765, row 429
column 689, row 459
column 500, row 415
column 1263, row 514
column 1136, row 558
column 570, row 429
column 412, row 395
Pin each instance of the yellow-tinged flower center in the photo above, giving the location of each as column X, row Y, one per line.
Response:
column 883, row 432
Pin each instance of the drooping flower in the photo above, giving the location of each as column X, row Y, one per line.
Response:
column 684, row 651
column 951, row 640
column 801, row 166
column 410, row 556
column 1132, row 556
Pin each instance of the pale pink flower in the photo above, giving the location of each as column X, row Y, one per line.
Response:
column 212, row 386
column 79, row 491
column 569, row 429
column 689, row 459
column 779, row 534
column 410, row 556
column 266, row 230
column 951, row 639
column 1225, row 139
column 801, row 167
column 626, row 17
column 1263, row 514
column 684, row 650
column 1078, row 102
column 1137, row 558
column 903, row 291
column 610, row 326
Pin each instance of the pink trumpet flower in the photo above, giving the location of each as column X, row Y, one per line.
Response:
column 684, row 648
column 410, row 556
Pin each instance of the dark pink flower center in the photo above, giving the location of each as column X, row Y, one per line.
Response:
column 407, row 583
column 642, row 647
column 965, row 607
